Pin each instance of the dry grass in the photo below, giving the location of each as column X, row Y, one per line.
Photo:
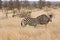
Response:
column 10, row 29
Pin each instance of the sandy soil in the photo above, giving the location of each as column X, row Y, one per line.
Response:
column 10, row 28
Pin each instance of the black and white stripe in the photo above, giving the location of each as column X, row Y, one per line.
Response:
column 42, row 19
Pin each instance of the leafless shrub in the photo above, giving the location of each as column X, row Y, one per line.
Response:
column 23, row 14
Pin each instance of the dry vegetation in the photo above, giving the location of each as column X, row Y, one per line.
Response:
column 10, row 28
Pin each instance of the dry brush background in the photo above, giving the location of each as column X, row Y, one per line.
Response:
column 10, row 28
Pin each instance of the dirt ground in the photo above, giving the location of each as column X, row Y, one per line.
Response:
column 10, row 28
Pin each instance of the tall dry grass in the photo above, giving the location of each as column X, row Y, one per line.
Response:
column 10, row 28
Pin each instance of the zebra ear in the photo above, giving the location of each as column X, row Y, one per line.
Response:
column 50, row 15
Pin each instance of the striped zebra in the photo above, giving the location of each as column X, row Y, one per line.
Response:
column 29, row 21
column 42, row 19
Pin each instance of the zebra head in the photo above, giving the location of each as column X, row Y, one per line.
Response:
column 50, row 17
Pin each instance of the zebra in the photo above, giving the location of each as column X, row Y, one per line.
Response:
column 29, row 21
column 42, row 19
